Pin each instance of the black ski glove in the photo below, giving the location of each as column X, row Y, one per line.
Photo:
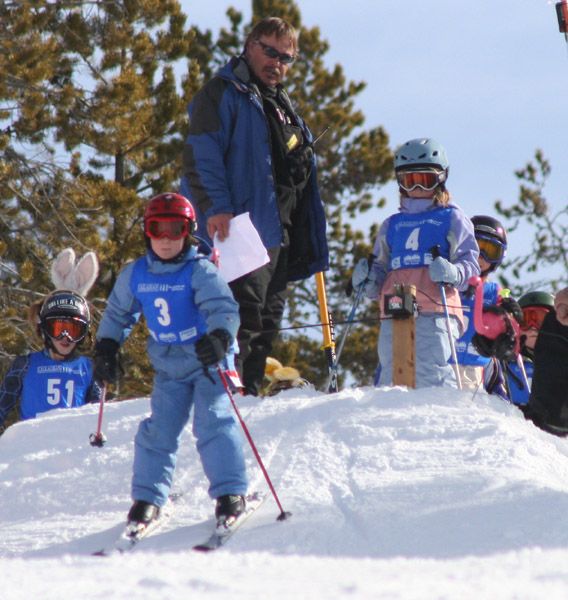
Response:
column 483, row 345
column 505, row 346
column 502, row 347
column 213, row 347
column 106, row 361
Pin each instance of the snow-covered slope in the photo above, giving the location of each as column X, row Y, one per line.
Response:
column 395, row 493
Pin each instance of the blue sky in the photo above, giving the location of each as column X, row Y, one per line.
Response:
column 486, row 78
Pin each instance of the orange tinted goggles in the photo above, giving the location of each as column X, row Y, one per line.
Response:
column 533, row 316
column 73, row 329
column 491, row 250
column 426, row 180
column 171, row 228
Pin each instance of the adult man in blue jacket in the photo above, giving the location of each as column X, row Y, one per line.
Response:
column 249, row 151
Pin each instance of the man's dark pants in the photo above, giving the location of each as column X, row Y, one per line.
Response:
column 261, row 296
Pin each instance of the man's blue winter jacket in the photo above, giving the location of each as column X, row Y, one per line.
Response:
column 228, row 169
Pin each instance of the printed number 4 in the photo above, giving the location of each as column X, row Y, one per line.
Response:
column 412, row 240
column 54, row 392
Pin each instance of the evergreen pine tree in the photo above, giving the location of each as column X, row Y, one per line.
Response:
column 93, row 98
column 547, row 258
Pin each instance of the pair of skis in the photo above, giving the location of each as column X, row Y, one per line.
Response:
column 133, row 534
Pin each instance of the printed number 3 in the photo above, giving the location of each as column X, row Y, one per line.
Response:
column 164, row 316
column 412, row 240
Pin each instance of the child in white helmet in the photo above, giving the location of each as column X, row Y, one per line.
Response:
column 406, row 252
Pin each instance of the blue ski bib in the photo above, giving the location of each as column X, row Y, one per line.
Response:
column 50, row 384
column 168, row 304
column 411, row 236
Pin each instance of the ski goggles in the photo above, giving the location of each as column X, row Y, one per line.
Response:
column 271, row 52
column 172, row 228
column 425, row 180
column 492, row 250
column 73, row 329
column 533, row 317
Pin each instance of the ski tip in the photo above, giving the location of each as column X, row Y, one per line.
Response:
column 203, row 548
column 112, row 551
column 255, row 496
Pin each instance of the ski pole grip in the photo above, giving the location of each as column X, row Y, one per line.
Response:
column 435, row 251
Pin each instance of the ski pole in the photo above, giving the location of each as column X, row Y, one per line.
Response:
column 359, row 295
column 328, row 334
column 283, row 514
column 435, row 253
column 348, row 325
column 523, row 371
column 98, row 439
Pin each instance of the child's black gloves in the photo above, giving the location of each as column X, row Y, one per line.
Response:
column 106, row 362
column 502, row 347
column 212, row 347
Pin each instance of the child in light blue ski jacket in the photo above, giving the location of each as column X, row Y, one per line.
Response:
column 193, row 320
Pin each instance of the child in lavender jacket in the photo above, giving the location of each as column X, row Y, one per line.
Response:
column 404, row 255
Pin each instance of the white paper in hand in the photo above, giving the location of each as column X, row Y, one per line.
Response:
column 241, row 252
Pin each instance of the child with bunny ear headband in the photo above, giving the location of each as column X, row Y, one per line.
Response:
column 57, row 376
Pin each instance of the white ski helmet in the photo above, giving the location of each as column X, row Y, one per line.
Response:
column 421, row 153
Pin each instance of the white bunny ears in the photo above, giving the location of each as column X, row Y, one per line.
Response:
column 78, row 277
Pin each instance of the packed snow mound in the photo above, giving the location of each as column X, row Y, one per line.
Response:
column 376, row 473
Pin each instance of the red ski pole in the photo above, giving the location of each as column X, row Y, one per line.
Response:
column 98, row 438
column 283, row 514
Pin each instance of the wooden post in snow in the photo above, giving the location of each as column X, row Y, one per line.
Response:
column 402, row 307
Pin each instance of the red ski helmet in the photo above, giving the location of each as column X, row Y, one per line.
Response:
column 171, row 205
column 171, row 216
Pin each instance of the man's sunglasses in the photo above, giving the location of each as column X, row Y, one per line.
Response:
column 285, row 59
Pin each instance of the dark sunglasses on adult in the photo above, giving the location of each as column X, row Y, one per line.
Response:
column 58, row 328
column 171, row 228
column 271, row 52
